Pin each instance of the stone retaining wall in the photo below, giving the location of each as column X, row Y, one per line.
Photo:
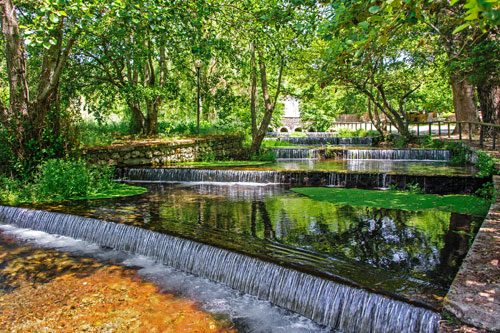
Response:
column 159, row 153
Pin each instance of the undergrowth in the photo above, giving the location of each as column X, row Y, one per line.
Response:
column 61, row 179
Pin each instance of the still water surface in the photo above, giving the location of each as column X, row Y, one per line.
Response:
column 414, row 253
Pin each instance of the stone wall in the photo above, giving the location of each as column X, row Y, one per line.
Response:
column 157, row 153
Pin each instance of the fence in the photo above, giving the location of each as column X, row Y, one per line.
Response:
column 417, row 128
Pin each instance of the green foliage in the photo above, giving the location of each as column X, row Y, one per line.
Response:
column 264, row 155
column 485, row 164
column 60, row 179
column 460, row 153
column 209, row 157
column 227, row 126
column 101, row 134
column 399, row 141
column 276, row 144
column 358, row 133
column 414, row 188
column 483, row 13
column 297, row 135
column 428, row 141
column 487, row 192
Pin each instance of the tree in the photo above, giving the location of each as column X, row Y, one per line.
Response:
column 270, row 33
column 130, row 50
column 382, row 21
column 388, row 73
column 50, row 30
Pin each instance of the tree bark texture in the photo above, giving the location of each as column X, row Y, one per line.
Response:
column 464, row 101
column 489, row 102
column 269, row 104
column 25, row 117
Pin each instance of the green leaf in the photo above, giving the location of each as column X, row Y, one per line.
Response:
column 54, row 18
column 462, row 27
column 364, row 25
column 374, row 9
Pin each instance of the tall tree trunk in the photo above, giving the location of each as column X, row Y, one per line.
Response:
column 15, row 117
column 253, row 92
column 138, row 121
column 152, row 121
column 375, row 118
column 464, row 101
column 489, row 101
column 269, row 104
column 25, row 119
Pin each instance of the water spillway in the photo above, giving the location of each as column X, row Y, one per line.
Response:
column 295, row 153
column 397, row 154
column 366, row 179
column 338, row 306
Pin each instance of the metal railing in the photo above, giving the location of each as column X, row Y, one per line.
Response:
column 469, row 126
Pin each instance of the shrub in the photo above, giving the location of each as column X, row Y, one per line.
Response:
column 264, row 155
column 59, row 179
column 460, row 153
column 485, row 164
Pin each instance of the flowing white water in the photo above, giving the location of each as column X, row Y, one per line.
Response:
column 295, row 153
column 203, row 176
column 397, row 154
column 326, row 302
column 246, row 311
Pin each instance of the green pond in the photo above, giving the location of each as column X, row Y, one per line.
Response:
column 413, row 253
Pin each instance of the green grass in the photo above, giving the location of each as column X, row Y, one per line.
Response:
column 463, row 204
column 221, row 163
column 276, row 144
column 118, row 190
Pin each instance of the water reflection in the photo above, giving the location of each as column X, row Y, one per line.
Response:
column 374, row 166
column 428, row 245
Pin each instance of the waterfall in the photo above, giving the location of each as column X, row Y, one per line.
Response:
column 202, row 175
column 397, row 154
column 360, row 180
column 328, row 303
column 295, row 153
column 320, row 140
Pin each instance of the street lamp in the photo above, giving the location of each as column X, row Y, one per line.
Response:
column 197, row 64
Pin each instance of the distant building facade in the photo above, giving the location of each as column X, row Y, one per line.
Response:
column 290, row 122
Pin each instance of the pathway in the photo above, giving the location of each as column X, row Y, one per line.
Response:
column 474, row 296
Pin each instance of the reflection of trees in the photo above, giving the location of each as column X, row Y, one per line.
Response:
column 260, row 206
column 456, row 245
column 379, row 237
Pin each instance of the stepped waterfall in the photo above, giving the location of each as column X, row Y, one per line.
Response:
column 295, row 153
column 338, row 306
column 397, row 154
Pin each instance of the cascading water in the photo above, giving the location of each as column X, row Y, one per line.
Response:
column 319, row 140
column 397, row 154
column 295, row 153
column 374, row 181
column 328, row 303
column 361, row 177
column 202, row 175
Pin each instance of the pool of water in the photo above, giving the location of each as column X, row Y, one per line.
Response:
column 42, row 258
column 371, row 166
column 412, row 253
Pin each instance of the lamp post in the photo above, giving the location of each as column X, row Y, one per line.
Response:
column 197, row 64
